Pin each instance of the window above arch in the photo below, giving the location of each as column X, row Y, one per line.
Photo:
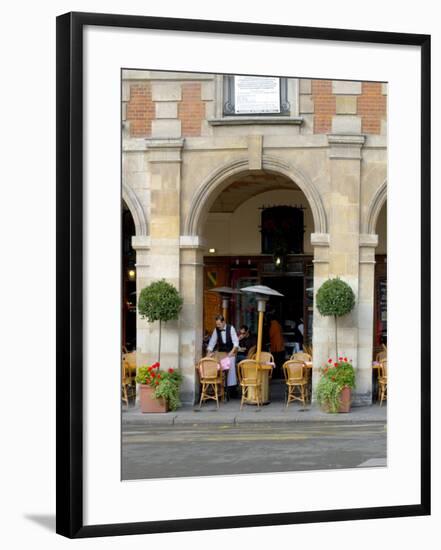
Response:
column 282, row 230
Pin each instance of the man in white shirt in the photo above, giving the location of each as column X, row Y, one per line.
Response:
column 224, row 339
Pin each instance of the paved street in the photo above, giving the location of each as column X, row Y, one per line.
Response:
column 201, row 450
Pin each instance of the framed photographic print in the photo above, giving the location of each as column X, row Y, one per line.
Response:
column 243, row 288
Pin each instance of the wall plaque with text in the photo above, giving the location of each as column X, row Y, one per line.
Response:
column 255, row 94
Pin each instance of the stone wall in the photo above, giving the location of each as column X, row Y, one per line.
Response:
column 180, row 152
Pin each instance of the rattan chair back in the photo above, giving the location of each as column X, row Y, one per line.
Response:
column 301, row 356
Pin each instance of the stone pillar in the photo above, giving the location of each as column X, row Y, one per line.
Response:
column 158, row 256
column 366, row 297
column 141, row 245
column 344, row 230
column 191, row 321
column 320, row 338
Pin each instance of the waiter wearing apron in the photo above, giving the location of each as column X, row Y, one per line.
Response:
column 226, row 343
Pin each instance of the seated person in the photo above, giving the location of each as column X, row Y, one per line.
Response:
column 246, row 342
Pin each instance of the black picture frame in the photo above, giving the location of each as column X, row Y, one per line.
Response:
column 69, row 291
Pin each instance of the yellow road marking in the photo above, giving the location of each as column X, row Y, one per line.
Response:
column 201, row 439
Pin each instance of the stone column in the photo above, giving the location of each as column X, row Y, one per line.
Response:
column 344, row 230
column 191, row 322
column 320, row 338
column 366, row 297
column 141, row 245
column 159, row 256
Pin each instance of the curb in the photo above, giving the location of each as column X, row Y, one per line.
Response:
column 210, row 417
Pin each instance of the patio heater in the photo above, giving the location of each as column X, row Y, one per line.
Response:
column 263, row 294
column 226, row 292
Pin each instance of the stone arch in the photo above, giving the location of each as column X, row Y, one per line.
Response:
column 375, row 207
column 134, row 205
column 214, row 183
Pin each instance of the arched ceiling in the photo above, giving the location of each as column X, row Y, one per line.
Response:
column 249, row 186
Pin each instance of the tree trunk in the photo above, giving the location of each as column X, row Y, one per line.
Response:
column 336, row 344
column 159, row 345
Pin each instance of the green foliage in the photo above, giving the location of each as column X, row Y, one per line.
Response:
column 334, row 377
column 160, row 301
column 168, row 388
column 335, row 297
column 166, row 383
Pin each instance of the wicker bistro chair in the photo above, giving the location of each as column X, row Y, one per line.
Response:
column 301, row 356
column 305, row 358
column 268, row 358
column 210, row 376
column 250, row 382
column 382, row 381
column 128, row 385
column 295, row 380
column 265, row 357
column 251, row 352
column 379, row 358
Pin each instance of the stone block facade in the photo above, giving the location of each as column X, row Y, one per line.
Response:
column 180, row 152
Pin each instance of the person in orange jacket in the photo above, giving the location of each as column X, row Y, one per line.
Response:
column 277, row 343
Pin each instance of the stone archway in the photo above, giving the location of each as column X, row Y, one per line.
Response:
column 134, row 205
column 220, row 178
column 192, row 250
column 374, row 209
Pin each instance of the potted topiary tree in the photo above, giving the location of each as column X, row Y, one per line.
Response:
column 336, row 298
column 159, row 301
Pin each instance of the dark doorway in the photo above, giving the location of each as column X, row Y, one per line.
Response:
column 289, row 309
column 128, row 281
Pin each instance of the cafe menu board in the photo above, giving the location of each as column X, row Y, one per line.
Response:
column 255, row 94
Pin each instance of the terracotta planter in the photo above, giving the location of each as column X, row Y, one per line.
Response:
column 149, row 403
column 345, row 401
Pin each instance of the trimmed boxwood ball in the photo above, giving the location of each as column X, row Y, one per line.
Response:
column 160, row 301
column 336, row 298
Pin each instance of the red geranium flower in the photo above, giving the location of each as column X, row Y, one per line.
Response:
column 346, row 359
column 329, row 360
column 335, row 364
column 340, row 358
column 171, row 370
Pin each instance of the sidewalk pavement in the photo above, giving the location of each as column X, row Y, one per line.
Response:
column 229, row 413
